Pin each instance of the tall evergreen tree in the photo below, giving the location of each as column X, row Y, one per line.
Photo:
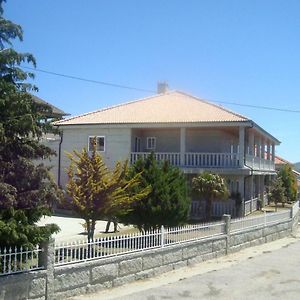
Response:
column 27, row 190
column 289, row 182
column 277, row 192
column 98, row 193
column 167, row 204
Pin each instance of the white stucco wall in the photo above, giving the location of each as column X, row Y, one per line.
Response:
column 117, row 145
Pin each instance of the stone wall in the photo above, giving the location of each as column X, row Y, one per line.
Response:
column 65, row 281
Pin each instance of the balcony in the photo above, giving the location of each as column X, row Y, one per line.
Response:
column 258, row 163
column 194, row 160
column 207, row 160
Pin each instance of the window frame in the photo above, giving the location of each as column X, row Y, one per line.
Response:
column 97, row 136
column 152, row 147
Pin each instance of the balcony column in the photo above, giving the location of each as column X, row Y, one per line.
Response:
column 263, row 150
column 273, row 152
column 259, row 146
column 241, row 153
column 251, row 143
column 262, row 188
column 182, row 145
column 268, row 150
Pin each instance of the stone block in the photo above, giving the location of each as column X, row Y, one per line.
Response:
column 208, row 256
column 71, row 279
column 205, row 247
column 124, row 280
column 70, row 293
column 162, row 269
column 189, row 252
column 152, row 261
column 253, row 235
column 180, row 264
column 194, row 260
column 105, row 273
column 93, row 288
column 172, row 256
column 218, row 245
column 37, row 287
column 145, row 274
column 131, row 266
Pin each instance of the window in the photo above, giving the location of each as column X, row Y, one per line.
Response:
column 137, row 144
column 151, row 142
column 100, row 143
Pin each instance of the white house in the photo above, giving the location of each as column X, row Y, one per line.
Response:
column 192, row 134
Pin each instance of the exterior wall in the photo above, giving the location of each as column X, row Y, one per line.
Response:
column 167, row 140
column 117, row 145
column 51, row 141
column 23, row 286
column 197, row 140
column 210, row 140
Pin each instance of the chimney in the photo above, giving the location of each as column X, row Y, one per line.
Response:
column 162, row 87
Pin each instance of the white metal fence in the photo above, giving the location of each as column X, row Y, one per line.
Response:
column 250, row 206
column 67, row 253
column 16, row 260
column 266, row 219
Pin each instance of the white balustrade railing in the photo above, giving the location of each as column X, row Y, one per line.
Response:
column 259, row 163
column 172, row 157
column 16, row 260
column 190, row 159
column 211, row 160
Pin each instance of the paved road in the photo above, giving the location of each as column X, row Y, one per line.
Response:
column 269, row 271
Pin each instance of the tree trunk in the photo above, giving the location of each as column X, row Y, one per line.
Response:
column 115, row 226
column 107, row 226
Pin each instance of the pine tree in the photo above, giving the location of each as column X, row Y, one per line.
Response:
column 277, row 192
column 98, row 193
column 210, row 187
column 289, row 183
column 27, row 190
column 168, row 202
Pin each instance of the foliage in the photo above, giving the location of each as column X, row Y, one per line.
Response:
column 289, row 182
column 168, row 202
column 27, row 190
column 98, row 193
column 277, row 192
column 210, row 187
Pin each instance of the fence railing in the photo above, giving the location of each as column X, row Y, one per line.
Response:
column 250, row 206
column 263, row 220
column 16, row 260
column 67, row 253
column 172, row 157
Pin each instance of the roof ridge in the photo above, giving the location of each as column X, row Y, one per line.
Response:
column 215, row 105
column 113, row 106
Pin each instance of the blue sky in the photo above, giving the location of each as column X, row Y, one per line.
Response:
column 239, row 51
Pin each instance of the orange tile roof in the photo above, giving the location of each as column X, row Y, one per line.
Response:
column 171, row 107
column 280, row 161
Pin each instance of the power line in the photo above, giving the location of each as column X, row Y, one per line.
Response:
column 90, row 80
column 151, row 91
column 258, row 106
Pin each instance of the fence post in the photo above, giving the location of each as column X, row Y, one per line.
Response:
column 227, row 220
column 162, row 231
column 47, row 260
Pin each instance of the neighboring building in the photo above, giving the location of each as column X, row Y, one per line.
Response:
column 192, row 134
column 51, row 140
